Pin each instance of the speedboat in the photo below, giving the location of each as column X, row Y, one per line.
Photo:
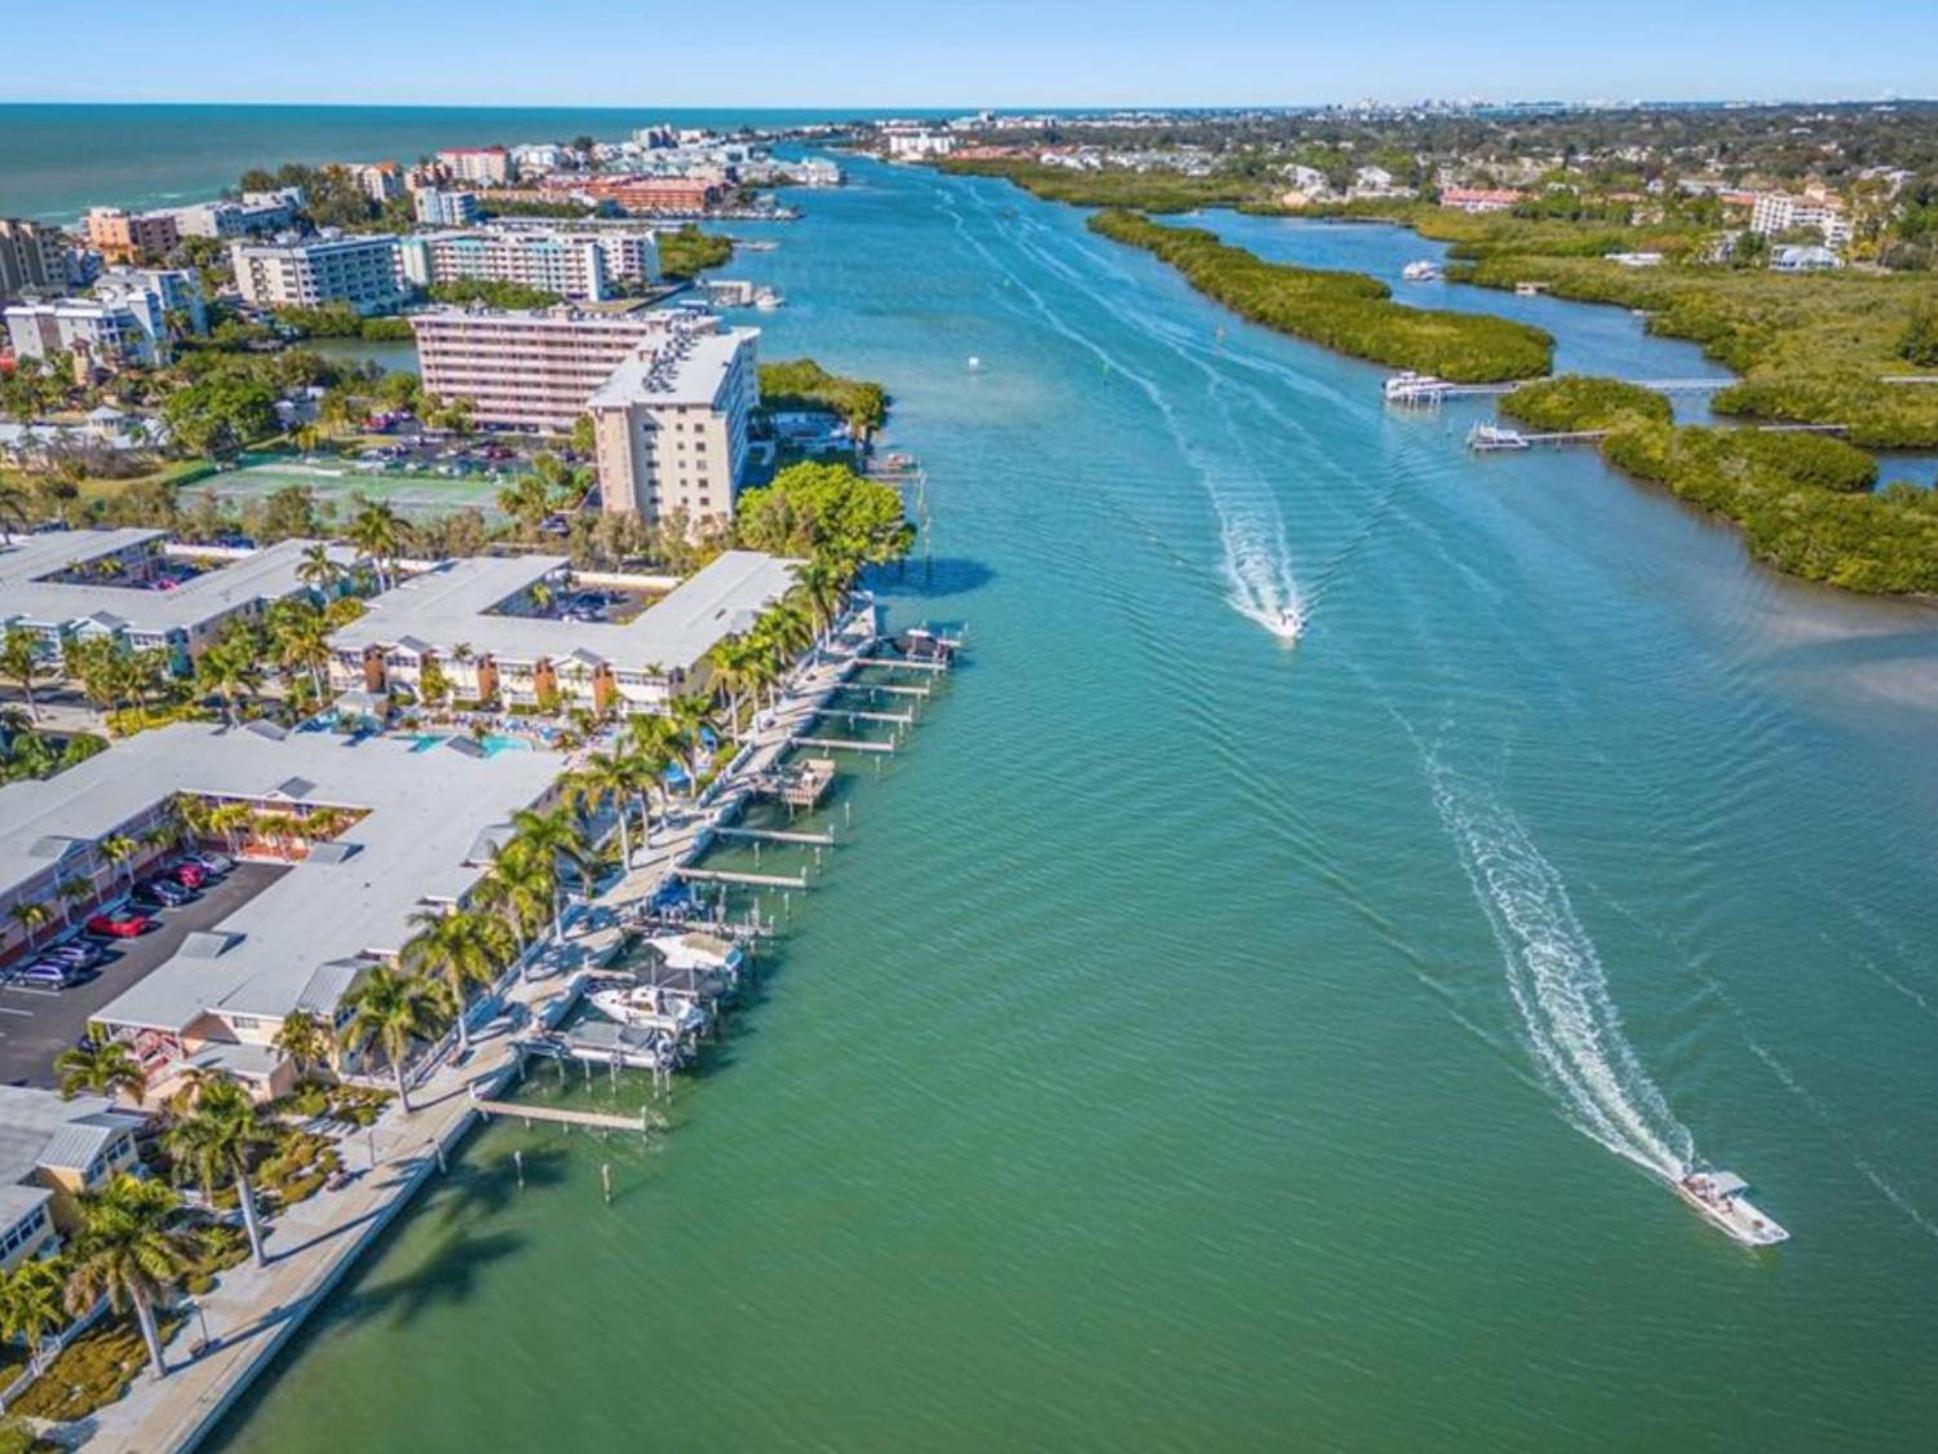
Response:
column 1420, row 272
column 1718, row 1195
column 648, row 1007
column 1492, row 437
column 698, row 951
column 1289, row 623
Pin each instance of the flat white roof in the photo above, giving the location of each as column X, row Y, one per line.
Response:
column 268, row 574
column 451, row 605
column 427, row 813
column 686, row 367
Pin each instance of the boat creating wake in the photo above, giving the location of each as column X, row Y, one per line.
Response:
column 1558, row 985
column 1257, row 568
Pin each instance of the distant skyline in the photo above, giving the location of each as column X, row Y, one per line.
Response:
column 951, row 53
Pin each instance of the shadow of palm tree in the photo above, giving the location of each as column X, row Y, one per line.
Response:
column 449, row 1275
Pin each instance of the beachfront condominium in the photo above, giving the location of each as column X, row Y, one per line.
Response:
column 121, row 236
column 109, row 332
column 34, row 258
column 530, row 369
column 364, row 272
column 671, row 423
column 254, row 214
column 630, row 250
column 484, row 166
column 441, row 207
column 565, row 266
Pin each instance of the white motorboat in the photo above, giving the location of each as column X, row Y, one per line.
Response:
column 698, row 951
column 1492, row 437
column 1718, row 1195
column 1420, row 272
column 647, row 1007
column 1289, row 624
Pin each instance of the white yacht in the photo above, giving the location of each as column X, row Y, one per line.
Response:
column 1420, row 272
column 1718, row 1195
column 648, row 1007
column 698, row 951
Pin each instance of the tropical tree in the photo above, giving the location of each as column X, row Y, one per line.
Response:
column 610, row 777
column 301, row 640
column 216, row 1136
column 231, row 820
column 691, row 715
column 522, row 886
column 526, row 500
column 458, row 951
column 378, row 531
column 102, row 1067
column 16, row 505
column 30, row 1302
column 554, row 837
column 21, row 664
column 31, row 917
column 389, row 1010
column 317, row 569
column 304, row 1038
column 120, row 850
column 130, row 1251
column 229, row 670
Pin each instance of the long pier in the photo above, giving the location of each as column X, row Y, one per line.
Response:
column 900, row 719
column 1423, row 390
column 592, row 1120
column 899, row 661
column 776, row 835
column 749, row 880
column 844, row 744
column 893, row 689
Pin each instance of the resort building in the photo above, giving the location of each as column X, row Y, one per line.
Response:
column 487, row 166
column 531, row 369
column 915, row 146
column 51, row 1151
column 121, row 236
column 109, row 332
column 34, row 258
column 366, row 834
column 481, row 620
column 671, row 424
column 631, row 252
column 438, row 207
column 571, row 267
column 364, row 272
column 78, row 585
column 667, row 196
column 1775, row 213
column 381, row 181
column 254, row 214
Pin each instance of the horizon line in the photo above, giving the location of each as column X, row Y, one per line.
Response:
column 1598, row 103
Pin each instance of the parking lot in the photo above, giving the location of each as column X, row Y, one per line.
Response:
column 38, row 1024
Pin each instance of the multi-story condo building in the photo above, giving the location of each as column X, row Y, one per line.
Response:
column 1774, row 213
column 381, row 181
column 671, row 423
column 254, row 214
column 155, row 293
column 439, row 207
column 109, row 332
column 487, row 166
column 570, row 267
column 530, row 370
column 631, row 251
column 676, row 196
column 121, row 236
column 365, row 272
column 34, row 258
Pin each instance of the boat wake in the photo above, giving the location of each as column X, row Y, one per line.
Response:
column 1558, row 985
column 1257, row 568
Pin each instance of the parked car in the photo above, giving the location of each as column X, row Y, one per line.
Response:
column 47, row 975
column 119, row 924
column 188, row 875
column 162, row 893
column 79, row 953
column 210, row 862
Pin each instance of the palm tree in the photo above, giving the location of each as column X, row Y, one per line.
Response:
column 390, row 1009
column 691, row 714
column 317, row 570
column 823, row 586
column 217, row 1136
column 457, row 950
column 129, row 1252
column 302, row 641
column 553, row 836
column 304, row 1038
column 120, row 851
column 732, row 659
column 16, row 503
column 229, row 670
column 30, row 1303
column 521, row 886
column 610, row 777
column 378, row 531
column 100, row 1067
column 229, row 819
column 30, row 917
column 21, row 664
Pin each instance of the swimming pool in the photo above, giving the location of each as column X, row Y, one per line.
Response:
column 492, row 743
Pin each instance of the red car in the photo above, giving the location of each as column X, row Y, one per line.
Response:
column 120, row 924
column 188, row 875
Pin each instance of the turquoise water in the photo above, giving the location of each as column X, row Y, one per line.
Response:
column 1200, row 1043
column 491, row 743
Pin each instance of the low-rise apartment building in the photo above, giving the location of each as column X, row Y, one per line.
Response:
column 648, row 196
column 52, row 1150
column 671, row 424
column 365, row 272
column 479, row 620
column 111, row 333
column 254, row 214
column 527, row 369
column 34, row 258
column 121, row 236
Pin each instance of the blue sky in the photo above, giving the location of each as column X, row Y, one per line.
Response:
column 956, row 53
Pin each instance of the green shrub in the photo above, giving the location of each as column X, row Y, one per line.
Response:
column 1581, row 401
column 91, row 1372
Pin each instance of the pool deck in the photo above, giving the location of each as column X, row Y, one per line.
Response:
column 253, row 1311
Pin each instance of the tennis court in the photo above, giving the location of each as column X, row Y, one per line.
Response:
column 409, row 492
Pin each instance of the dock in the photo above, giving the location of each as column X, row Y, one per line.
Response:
column 1425, row 390
column 900, row 719
column 747, row 880
column 893, row 689
column 902, row 661
column 776, row 835
column 845, row 744
column 591, row 1120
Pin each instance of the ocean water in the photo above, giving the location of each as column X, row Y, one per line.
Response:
column 1201, row 1042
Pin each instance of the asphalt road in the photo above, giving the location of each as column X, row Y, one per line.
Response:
column 38, row 1024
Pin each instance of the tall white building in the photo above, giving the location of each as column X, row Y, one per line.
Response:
column 530, row 369
column 671, row 423
column 365, row 272
column 111, row 332
column 570, row 267
column 439, row 207
column 1774, row 213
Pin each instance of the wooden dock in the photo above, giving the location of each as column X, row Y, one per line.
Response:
column 844, row 744
column 749, row 880
column 893, row 689
column 591, row 1120
column 900, row 719
column 899, row 661
column 777, row 835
